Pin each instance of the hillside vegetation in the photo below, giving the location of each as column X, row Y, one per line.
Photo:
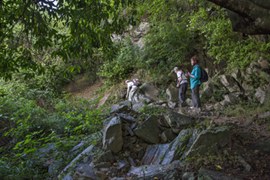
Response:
column 48, row 46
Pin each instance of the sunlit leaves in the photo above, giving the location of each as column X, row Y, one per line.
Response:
column 68, row 28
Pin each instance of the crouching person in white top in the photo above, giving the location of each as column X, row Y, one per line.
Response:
column 132, row 86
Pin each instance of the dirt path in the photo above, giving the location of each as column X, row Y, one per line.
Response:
column 88, row 92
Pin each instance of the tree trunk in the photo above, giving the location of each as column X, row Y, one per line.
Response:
column 248, row 16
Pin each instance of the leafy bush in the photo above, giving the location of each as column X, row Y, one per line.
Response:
column 221, row 43
column 61, row 122
column 123, row 64
column 167, row 45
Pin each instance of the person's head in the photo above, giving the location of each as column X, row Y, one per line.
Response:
column 135, row 80
column 194, row 60
column 175, row 69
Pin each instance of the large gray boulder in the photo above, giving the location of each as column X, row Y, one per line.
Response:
column 209, row 141
column 178, row 121
column 150, row 91
column 112, row 138
column 166, row 153
column 149, row 130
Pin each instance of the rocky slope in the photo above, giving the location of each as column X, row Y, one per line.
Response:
column 148, row 138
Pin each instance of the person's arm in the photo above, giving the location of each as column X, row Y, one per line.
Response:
column 128, row 89
column 179, row 79
column 197, row 73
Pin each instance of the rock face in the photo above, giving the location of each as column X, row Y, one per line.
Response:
column 230, row 83
column 209, row 141
column 149, row 130
column 172, row 94
column 142, row 157
column 149, row 90
column 240, row 85
column 178, row 121
column 167, row 153
column 112, row 138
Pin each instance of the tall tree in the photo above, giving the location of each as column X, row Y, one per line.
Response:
column 70, row 28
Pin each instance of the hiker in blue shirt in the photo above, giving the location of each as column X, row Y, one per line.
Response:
column 195, row 82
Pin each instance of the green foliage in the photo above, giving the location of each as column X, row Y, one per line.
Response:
column 65, row 29
column 40, row 120
column 167, row 45
column 123, row 64
column 154, row 111
column 247, row 109
column 220, row 42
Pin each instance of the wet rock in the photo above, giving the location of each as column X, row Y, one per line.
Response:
column 112, row 138
column 149, row 130
column 178, row 121
column 172, row 94
column 124, row 106
column 171, row 171
column 209, row 141
column 260, row 95
column 166, row 153
column 208, row 174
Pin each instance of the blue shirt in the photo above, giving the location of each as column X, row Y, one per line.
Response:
column 196, row 72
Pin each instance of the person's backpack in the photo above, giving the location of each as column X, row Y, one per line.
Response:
column 204, row 76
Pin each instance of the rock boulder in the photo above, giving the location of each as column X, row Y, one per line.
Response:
column 112, row 138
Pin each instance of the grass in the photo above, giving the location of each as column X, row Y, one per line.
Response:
column 244, row 109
